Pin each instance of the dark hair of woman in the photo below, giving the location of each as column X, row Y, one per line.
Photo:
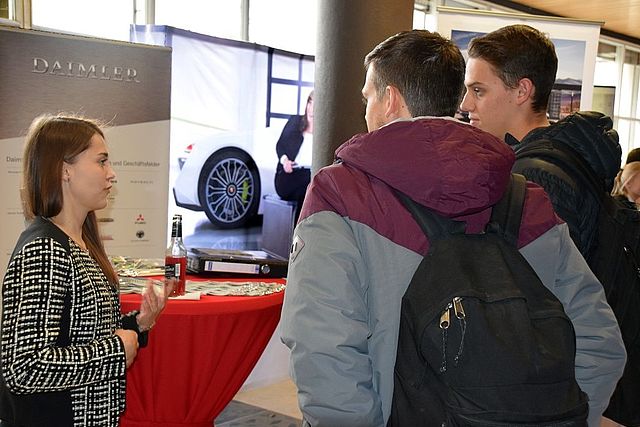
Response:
column 51, row 141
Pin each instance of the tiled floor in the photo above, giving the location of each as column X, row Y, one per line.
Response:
column 279, row 397
column 238, row 414
column 273, row 405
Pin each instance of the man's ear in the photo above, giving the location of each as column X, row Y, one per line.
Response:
column 396, row 105
column 526, row 89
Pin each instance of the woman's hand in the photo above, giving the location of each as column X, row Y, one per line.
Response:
column 130, row 340
column 152, row 304
column 288, row 166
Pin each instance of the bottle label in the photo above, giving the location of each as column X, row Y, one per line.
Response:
column 171, row 271
column 176, row 268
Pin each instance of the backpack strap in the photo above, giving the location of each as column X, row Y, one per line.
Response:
column 506, row 214
column 565, row 162
column 433, row 225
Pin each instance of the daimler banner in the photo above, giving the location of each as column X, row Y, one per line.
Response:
column 125, row 85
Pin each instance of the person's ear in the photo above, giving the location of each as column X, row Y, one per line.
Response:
column 66, row 176
column 396, row 105
column 525, row 90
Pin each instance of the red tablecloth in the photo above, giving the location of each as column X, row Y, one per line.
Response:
column 199, row 355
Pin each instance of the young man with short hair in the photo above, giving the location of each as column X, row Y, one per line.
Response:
column 509, row 76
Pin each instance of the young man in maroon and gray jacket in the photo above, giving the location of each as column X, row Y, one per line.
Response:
column 356, row 247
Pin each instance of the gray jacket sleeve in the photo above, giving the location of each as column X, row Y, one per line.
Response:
column 324, row 323
column 600, row 353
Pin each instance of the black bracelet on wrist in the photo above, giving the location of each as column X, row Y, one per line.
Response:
column 130, row 322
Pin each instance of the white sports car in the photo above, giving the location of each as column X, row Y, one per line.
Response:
column 226, row 174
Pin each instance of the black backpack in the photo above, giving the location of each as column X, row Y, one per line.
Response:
column 614, row 259
column 482, row 341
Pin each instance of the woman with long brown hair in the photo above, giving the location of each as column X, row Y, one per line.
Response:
column 65, row 344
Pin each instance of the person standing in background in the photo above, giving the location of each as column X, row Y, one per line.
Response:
column 294, row 148
column 633, row 156
column 630, row 183
column 65, row 344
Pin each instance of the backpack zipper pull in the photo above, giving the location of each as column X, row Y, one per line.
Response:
column 444, row 319
column 444, row 325
column 457, row 308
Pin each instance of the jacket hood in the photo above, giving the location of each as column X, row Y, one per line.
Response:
column 589, row 133
column 442, row 163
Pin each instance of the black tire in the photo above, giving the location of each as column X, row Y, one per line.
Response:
column 229, row 188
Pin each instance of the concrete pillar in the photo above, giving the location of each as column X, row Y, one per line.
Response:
column 347, row 31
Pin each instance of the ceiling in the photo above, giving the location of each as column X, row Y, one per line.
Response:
column 621, row 17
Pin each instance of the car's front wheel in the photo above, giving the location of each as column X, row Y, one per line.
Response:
column 229, row 188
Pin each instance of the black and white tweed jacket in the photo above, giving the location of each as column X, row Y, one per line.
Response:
column 61, row 363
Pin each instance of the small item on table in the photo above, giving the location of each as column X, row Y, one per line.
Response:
column 175, row 263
